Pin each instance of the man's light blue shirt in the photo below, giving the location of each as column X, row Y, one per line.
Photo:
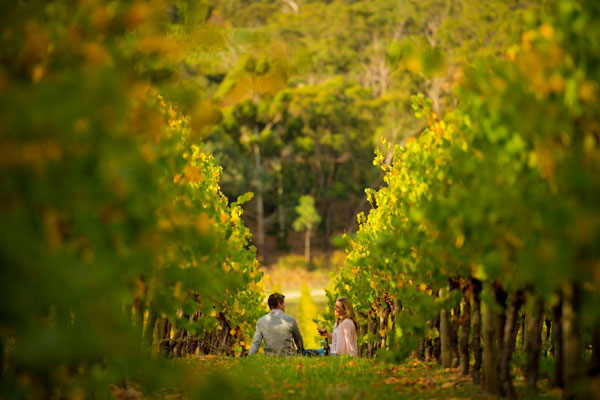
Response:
column 280, row 332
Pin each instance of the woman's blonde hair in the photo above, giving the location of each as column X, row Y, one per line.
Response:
column 347, row 304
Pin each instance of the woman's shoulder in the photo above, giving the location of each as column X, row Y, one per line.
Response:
column 347, row 323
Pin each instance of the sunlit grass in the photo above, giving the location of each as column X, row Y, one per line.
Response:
column 261, row 377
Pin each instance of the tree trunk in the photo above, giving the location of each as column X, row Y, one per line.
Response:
column 490, row 351
column 307, row 246
column 281, row 235
column 384, row 314
column 147, row 336
column 437, row 349
column 464, row 338
column 372, row 328
column 428, row 349
column 434, row 93
column 594, row 367
column 192, row 343
column 328, row 217
column 138, row 307
column 547, row 337
column 533, row 344
column 2, row 355
column 508, row 344
column 454, row 327
column 501, row 298
column 445, row 339
column 397, row 308
column 165, row 336
column 260, row 212
column 572, row 349
column 437, row 345
column 557, row 344
column 180, row 338
column 421, row 349
column 364, row 330
column 375, row 334
column 476, row 340
column 523, row 333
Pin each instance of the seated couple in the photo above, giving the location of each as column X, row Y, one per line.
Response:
column 280, row 331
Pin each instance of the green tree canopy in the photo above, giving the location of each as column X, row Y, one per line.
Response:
column 308, row 218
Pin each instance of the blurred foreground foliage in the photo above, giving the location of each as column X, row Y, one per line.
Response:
column 113, row 225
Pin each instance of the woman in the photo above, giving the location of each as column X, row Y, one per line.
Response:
column 343, row 337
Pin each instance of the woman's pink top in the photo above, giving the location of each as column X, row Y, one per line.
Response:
column 343, row 338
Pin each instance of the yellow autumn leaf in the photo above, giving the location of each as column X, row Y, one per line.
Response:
column 192, row 173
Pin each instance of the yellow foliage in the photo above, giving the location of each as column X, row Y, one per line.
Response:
column 413, row 64
column 547, row 31
column 307, row 312
column 460, row 240
column 587, row 91
column 556, row 83
column 137, row 14
column 224, row 217
column 192, row 173
column 203, row 223
column 95, row 54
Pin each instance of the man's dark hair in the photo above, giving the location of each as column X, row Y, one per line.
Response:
column 275, row 299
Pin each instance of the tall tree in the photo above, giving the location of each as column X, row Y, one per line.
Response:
column 308, row 219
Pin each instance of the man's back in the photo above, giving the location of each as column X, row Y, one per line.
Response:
column 279, row 331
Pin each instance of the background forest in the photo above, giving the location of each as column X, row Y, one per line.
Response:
column 310, row 88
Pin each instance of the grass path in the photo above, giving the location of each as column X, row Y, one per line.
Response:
column 323, row 378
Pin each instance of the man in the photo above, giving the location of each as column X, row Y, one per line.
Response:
column 279, row 330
